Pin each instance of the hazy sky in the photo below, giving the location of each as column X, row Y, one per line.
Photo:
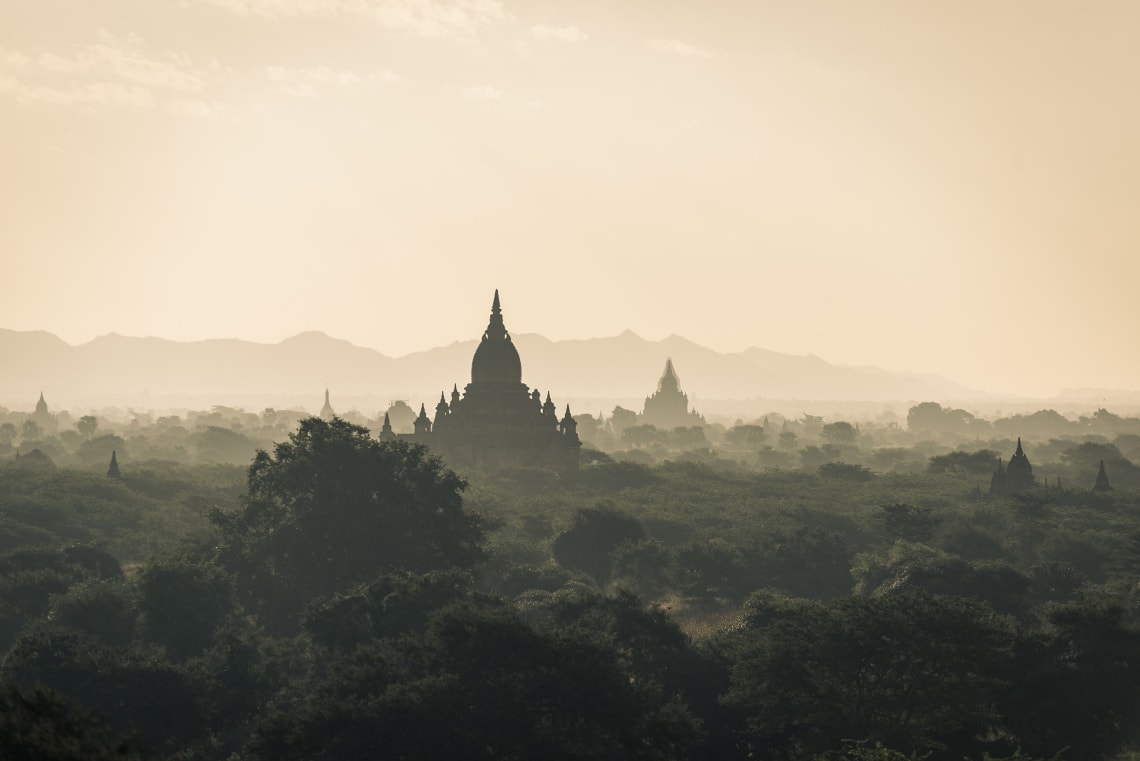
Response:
column 950, row 187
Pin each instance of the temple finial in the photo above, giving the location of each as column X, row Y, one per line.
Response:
column 495, row 327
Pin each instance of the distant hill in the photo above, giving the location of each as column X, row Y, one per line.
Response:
column 145, row 372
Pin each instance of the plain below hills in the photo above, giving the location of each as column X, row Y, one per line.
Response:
column 155, row 373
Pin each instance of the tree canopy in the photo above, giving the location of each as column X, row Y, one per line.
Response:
column 332, row 508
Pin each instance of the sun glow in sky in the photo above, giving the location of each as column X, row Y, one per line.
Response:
column 943, row 187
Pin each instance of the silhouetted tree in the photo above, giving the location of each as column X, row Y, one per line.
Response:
column 40, row 725
column 481, row 683
column 133, row 689
column 908, row 522
column 1076, row 686
column 840, row 432
column 87, row 425
column 595, row 533
column 30, row 430
column 622, row 419
column 332, row 508
column 978, row 464
column 912, row 671
column 745, row 436
column 647, row 566
column 808, row 563
column 641, row 435
column 932, row 417
column 183, row 601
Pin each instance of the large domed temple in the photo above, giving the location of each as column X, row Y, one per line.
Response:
column 497, row 420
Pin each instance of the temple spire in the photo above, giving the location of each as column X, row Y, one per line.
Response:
column 1102, row 480
column 669, row 383
column 113, row 468
column 386, row 432
column 495, row 327
column 1019, row 452
column 422, row 423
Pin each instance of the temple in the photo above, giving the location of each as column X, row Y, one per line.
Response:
column 1017, row 476
column 1102, row 480
column 327, row 412
column 497, row 420
column 669, row 406
column 43, row 417
column 400, row 416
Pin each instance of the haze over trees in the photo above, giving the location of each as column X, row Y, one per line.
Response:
column 785, row 588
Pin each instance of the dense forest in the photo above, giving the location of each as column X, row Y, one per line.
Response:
column 274, row 586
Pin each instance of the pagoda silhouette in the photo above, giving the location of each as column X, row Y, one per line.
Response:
column 1015, row 477
column 498, row 420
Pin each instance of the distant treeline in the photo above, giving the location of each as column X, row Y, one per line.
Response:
column 1059, row 447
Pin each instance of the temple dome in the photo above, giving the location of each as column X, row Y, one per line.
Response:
column 496, row 360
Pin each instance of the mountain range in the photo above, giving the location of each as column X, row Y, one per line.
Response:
column 157, row 373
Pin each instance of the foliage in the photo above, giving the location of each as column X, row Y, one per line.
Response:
column 1077, row 684
column 978, row 464
column 481, row 683
column 913, row 671
column 39, row 725
column 133, row 690
column 183, row 601
column 332, row 508
column 348, row 607
column 593, row 535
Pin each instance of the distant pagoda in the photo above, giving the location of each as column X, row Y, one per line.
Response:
column 669, row 406
column 327, row 412
column 1016, row 477
column 1102, row 480
column 42, row 416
